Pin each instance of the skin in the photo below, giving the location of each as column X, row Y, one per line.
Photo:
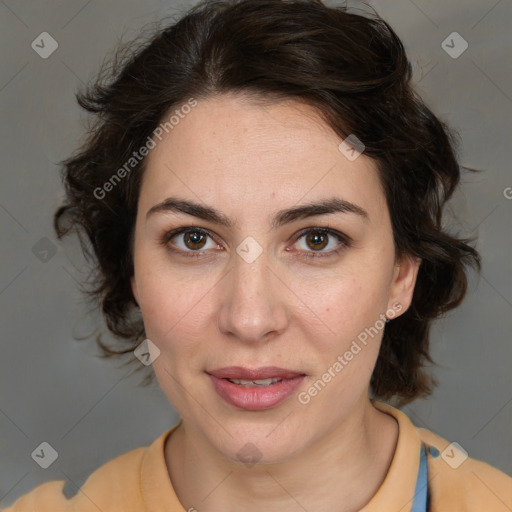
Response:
column 283, row 309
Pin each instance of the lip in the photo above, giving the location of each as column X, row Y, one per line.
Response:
column 255, row 398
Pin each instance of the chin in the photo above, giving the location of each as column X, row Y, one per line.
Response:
column 260, row 447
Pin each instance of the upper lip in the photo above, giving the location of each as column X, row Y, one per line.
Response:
column 265, row 372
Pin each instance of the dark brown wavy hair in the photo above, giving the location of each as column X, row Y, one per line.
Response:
column 353, row 69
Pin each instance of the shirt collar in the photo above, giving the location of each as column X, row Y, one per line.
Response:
column 397, row 490
column 155, row 485
column 395, row 493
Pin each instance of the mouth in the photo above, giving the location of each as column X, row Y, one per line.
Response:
column 255, row 389
column 255, row 383
column 240, row 373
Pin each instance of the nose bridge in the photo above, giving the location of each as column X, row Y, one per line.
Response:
column 251, row 306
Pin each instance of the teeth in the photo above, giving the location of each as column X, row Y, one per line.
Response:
column 254, row 383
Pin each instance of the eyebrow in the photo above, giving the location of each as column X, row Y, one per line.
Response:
column 282, row 217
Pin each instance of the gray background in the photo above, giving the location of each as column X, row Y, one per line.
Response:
column 54, row 389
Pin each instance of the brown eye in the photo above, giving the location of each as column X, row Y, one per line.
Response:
column 189, row 241
column 194, row 240
column 317, row 240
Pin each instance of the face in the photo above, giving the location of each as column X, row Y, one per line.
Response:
column 253, row 286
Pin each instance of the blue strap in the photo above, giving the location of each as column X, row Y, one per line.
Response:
column 421, row 492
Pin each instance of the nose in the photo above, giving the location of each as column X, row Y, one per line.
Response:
column 253, row 305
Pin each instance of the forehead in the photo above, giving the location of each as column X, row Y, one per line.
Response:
column 234, row 125
column 228, row 146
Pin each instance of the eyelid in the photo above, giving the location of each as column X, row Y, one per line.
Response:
column 324, row 229
column 169, row 235
column 344, row 240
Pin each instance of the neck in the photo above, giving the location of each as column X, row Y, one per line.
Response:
column 340, row 472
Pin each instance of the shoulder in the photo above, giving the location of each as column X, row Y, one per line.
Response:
column 458, row 482
column 113, row 486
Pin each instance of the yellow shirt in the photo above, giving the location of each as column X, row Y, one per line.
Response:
column 138, row 481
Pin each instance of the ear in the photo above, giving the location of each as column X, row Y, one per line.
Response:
column 402, row 287
column 134, row 289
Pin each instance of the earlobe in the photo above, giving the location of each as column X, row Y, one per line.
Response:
column 134, row 290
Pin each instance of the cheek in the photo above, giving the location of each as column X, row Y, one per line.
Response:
column 345, row 345
column 345, row 333
column 345, row 303
column 176, row 313
column 175, row 305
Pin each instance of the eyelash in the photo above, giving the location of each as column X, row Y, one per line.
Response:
column 345, row 241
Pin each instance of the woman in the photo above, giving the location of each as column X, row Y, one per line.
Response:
column 263, row 194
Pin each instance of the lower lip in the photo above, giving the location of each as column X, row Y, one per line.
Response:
column 255, row 398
